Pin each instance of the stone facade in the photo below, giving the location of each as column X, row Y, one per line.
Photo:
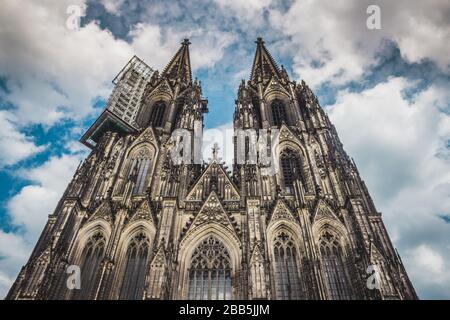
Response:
column 140, row 226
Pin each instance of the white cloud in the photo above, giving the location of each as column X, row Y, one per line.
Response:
column 429, row 269
column 55, row 73
column 249, row 11
column 399, row 148
column 208, row 49
column 30, row 207
column 330, row 40
column 14, row 251
column 28, row 211
column 112, row 6
column 14, row 145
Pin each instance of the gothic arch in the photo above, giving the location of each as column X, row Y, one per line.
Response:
column 141, row 158
column 292, row 144
column 285, row 257
column 162, row 93
column 332, row 224
column 296, row 149
column 189, row 244
column 270, row 95
column 333, row 250
column 88, row 254
column 145, row 231
column 92, row 227
column 283, row 225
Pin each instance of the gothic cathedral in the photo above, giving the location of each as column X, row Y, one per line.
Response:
column 135, row 224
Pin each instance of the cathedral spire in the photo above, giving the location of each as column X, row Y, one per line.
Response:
column 264, row 66
column 179, row 67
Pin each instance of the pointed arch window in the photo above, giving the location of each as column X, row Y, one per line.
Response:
column 140, row 164
column 334, row 268
column 93, row 254
column 278, row 112
column 210, row 272
column 290, row 169
column 135, row 268
column 157, row 115
column 287, row 280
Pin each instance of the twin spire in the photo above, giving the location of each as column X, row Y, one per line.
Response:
column 264, row 66
column 179, row 67
column 263, row 69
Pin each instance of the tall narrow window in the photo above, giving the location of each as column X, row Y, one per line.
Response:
column 278, row 112
column 287, row 280
column 135, row 269
column 156, row 118
column 247, row 148
column 140, row 165
column 334, row 268
column 92, row 256
column 290, row 169
column 210, row 272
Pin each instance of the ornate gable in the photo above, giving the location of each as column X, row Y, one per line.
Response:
column 281, row 212
column 143, row 212
column 257, row 256
column 275, row 85
column 146, row 136
column 324, row 211
column 287, row 135
column 103, row 211
column 375, row 254
column 163, row 88
column 198, row 185
column 212, row 211
column 159, row 259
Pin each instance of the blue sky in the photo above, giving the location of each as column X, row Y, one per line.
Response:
column 387, row 92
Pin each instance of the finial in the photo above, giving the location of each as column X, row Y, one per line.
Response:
column 186, row 42
column 259, row 40
column 215, row 150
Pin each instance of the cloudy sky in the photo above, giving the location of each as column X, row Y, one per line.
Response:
column 386, row 90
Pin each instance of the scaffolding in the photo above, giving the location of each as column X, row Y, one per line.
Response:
column 124, row 103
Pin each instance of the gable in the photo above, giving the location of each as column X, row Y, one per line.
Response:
column 323, row 211
column 212, row 211
column 143, row 212
column 281, row 212
column 103, row 211
column 196, row 191
column 146, row 136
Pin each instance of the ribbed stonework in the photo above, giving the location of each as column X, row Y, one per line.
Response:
column 134, row 224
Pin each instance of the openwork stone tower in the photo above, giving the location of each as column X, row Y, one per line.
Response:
column 137, row 225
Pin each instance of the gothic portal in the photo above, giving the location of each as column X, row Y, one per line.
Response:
column 135, row 224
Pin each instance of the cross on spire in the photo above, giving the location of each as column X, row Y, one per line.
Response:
column 215, row 150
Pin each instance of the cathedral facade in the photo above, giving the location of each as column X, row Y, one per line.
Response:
column 135, row 224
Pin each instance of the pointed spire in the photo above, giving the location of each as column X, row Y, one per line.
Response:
column 179, row 67
column 264, row 66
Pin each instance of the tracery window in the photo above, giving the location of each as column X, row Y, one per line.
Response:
column 135, row 268
column 210, row 271
column 157, row 115
column 92, row 256
column 287, row 280
column 140, row 164
column 290, row 169
column 278, row 112
column 334, row 268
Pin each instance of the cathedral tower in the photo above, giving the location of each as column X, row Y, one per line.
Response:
column 143, row 218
